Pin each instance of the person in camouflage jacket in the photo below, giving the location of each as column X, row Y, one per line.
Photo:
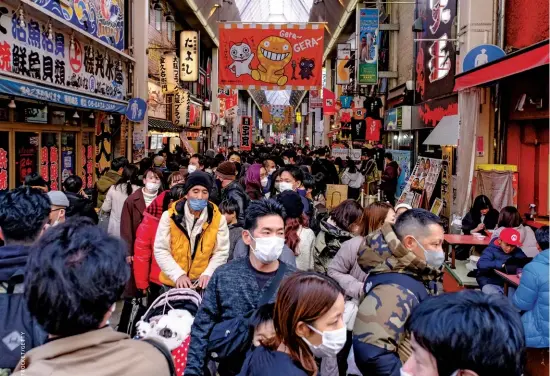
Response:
column 399, row 279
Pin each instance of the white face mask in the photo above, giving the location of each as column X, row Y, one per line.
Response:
column 332, row 342
column 433, row 258
column 152, row 187
column 284, row 186
column 268, row 249
column 278, row 187
column 191, row 168
column 271, row 171
column 56, row 222
column 264, row 182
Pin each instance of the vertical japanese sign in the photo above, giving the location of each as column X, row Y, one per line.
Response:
column 246, row 133
column 435, row 61
column 343, row 76
column 49, row 166
column 367, row 50
column 4, row 153
column 169, row 72
column 189, row 56
column 180, row 107
column 87, row 163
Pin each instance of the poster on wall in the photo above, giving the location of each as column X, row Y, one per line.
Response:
column 367, row 55
column 4, row 160
column 246, row 133
column 271, row 56
column 403, row 159
column 155, row 105
column 421, row 184
column 58, row 58
column 103, row 19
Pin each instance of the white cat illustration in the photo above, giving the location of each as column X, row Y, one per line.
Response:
column 242, row 55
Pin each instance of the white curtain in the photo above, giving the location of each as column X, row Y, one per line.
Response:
column 468, row 110
column 497, row 185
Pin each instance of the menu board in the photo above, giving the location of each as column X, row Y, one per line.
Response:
column 422, row 181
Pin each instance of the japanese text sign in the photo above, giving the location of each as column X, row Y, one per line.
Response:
column 246, row 133
column 180, row 107
column 189, row 56
column 264, row 56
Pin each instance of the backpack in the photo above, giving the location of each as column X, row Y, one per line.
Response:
column 19, row 331
column 232, row 338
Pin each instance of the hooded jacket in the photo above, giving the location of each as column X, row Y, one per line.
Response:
column 234, row 191
column 493, row 257
column 532, row 296
column 526, row 237
column 104, row 183
column 380, row 343
column 80, row 206
column 345, row 269
column 327, row 244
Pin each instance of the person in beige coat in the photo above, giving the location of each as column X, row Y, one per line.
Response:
column 75, row 303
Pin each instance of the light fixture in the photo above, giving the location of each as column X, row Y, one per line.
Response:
column 45, row 108
column 91, row 115
column 168, row 17
column 75, row 116
column 71, row 43
column 12, row 104
column 21, row 17
column 110, row 118
column 411, row 136
column 418, row 26
column 395, row 137
column 156, row 6
column 130, row 68
column 50, row 30
column 213, row 10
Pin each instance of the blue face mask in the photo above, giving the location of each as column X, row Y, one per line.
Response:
column 197, row 204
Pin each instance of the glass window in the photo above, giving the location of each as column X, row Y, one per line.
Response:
column 158, row 20
column 26, row 155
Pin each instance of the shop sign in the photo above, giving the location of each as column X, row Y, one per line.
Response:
column 49, row 168
column 195, row 115
column 56, row 96
column 435, row 61
column 271, row 56
column 430, row 113
column 246, row 133
column 399, row 118
column 180, row 107
column 4, row 153
column 169, row 72
column 315, row 99
column 189, row 56
column 102, row 19
column 62, row 61
column 156, row 106
column 367, row 54
column 136, row 109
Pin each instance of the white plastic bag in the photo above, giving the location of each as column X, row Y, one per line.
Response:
column 350, row 312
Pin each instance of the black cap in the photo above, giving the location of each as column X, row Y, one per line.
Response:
column 198, row 178
column 292, row 202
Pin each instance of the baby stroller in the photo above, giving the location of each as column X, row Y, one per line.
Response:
column 169, row 320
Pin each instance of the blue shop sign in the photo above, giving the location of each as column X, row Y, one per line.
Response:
column 481, row 55
column 136, row 109
column 41, row 93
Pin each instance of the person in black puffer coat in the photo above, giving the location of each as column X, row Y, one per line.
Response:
column 79, row 204
column 231, row 189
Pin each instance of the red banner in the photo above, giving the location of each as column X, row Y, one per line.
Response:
column 329, row 105
column 246, row 133
column 267, row 56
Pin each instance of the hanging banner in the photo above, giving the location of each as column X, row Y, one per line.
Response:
column 271, row 56
column 189, row 56
column 246, row 133
column 229, row 98
column 329, row 102
column 4, row 162
column 368, row 46
column 343, row 55
column 169, row 72
column 315, row 99
column 58, row 59
column 180, row 107
column 280, row 117
column 155, row 104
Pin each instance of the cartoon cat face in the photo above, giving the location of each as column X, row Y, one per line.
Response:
column 274, row 51
column 307, row 64
column 240, row 51
column 277, row 112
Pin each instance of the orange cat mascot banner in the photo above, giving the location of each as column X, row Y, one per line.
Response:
column 271, row 56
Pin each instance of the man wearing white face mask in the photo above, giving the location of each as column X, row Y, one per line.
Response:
column 237, row 287
column 291, row 179
column 60, row 203
column 403, row 262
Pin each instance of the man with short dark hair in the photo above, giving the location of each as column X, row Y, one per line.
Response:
column 292, row 178
column 235, row 288
column 110, row 178
column 196, row 162
column 75, row 274
column 80, row 205
column 465, row 334
column 24, row 214
column 289, row 157
column 402, row 263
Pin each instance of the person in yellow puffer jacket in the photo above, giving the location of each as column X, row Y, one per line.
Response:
column 192, row 238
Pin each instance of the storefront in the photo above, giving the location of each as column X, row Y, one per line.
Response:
column 62, row 95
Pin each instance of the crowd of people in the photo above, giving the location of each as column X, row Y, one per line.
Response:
column 288, row 287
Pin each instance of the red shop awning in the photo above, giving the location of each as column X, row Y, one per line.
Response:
column 520, row 61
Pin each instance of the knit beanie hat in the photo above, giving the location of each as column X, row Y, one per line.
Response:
column 292, row 202
column 227, row 170
column 198, row 178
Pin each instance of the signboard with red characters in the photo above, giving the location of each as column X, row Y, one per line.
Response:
column 246, row 133
column 4, row 162
column 49, row 166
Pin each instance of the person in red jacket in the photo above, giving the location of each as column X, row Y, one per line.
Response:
column 389, row 178
column 146, row 269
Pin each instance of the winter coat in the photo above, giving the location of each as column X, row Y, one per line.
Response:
column 235, row 233
column 354, row 180
column 304, row 259
column 254, row 191
column 80, row 206
column 185, row 245
column 527, row 239
column 532, row 296
column 95, row 352
column 232, row 292
column 469, row 223
column 327, row 244
column 346, row 271
column 234, row 191
column 265, row 362
column 389, row 177
column 380, row 343
column 492, row 258
column 241, row 251
column 145, row 264
column 104, row 183
column 113, row 204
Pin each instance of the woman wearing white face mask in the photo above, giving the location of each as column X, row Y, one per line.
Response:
column 308, row 321
column 256, row 180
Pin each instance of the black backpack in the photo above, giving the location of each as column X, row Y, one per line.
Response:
column 19, row 331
